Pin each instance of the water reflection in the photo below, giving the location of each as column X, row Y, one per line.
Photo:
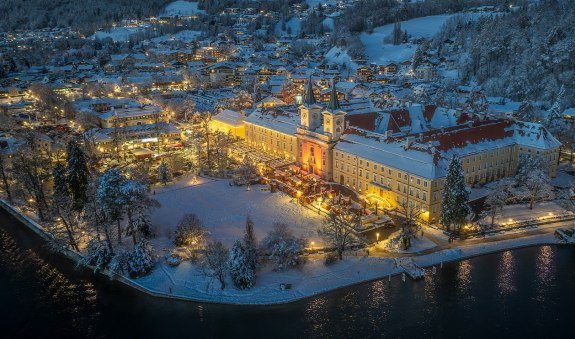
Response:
column 464, row 276
column 545, row 271
column 316, row 316
column 505, row 275
column 53, row 300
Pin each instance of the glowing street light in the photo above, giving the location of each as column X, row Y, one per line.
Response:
column 377, row 236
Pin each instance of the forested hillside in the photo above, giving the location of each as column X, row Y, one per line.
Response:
column 84, row 15
column 369, row 14
column 526, row 54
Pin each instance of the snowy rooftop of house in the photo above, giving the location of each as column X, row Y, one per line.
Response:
column 230, row 117
column 87, row 104
column 131, row 112
column 272, row 99
column 282, row 119
column 105, row 134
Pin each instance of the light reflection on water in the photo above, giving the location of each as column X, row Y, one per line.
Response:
column 315, row 314
column 517, row 293
column 545, row 271
column 506, row 273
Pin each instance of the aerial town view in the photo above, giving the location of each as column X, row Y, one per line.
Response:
column 287, row 168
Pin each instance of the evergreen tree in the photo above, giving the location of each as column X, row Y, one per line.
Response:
column 164, row 173
column 242, row 273
column 61, row 204
column 141, row 260
column 250, row 245
column 137, row 205
column 454, row 208
column 78, row 175
column 110, row 198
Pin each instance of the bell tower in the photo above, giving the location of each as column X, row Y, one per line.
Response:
column 333, row 117
column 309, row 110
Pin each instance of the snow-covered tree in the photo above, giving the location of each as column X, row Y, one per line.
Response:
column 110, row 198
column 164, row 173
column 141, row 260
column 77, row 175
column 137, row 205
column 497, row 199
column 538, row 185
column 455, row 196
column 532, row 176
column 141, row 173
column 31, row 170
column 241, row 271
column 397, row 36
column 214, row 262
column 282, row 248
column 190, row 232
column 556, row 111
column 338, row 232
column 251, row 245
column 119, row 262
column 410, row 224
column 242, row 100
column 97, row 255
column 246, row 172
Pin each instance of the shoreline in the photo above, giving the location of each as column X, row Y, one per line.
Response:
column 383, row 271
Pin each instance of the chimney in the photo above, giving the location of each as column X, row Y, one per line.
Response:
column 408, row 142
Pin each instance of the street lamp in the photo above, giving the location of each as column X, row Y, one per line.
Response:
column 312, row 243
column 377, row 236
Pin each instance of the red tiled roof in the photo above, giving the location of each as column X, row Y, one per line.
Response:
column 459, row 136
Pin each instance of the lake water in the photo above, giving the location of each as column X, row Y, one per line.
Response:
column 522, row 293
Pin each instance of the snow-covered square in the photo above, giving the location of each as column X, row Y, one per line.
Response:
column 223, row 209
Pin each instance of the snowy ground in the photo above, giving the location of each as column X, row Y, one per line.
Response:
column 183, row 36
column 223, row 209
column 418, row 244
column 423, row 27
column 340, row 57
column 117, row 33
column 294, row 25
column 563, row 179
column 521, row 212
column 187, row 282
column 181, row 8
column 314, row 3
column 378, row 52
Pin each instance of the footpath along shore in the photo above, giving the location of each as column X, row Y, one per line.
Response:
column 184, row 282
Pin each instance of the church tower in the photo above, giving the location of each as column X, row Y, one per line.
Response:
column 309, row 110
column 333, row 117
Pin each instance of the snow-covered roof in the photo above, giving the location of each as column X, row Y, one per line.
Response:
column 421, row 162
column 282, row 120
column 230, row 117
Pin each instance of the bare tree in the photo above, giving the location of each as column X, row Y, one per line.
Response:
column 338, row 231
column 190, row 232
column 410, row 224
column 214, row 262
column 497, row 199
column 246, row 172
column 32, row 174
